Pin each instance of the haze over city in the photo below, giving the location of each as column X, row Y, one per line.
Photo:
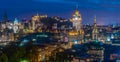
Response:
column 107, row 11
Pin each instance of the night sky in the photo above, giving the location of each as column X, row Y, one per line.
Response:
column 107, row 11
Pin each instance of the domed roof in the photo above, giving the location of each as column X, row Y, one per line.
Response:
column 16, row 21
column 77, row 13
column 77, row 16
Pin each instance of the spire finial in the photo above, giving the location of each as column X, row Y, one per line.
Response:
column 95, row 19
column 76, row 6
column 37, row 13
column 5, row 16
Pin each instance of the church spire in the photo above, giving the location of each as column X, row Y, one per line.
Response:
column 95, row 30
column 37, row 14
column 76, row 6
column 95, row 19
column 77, row 11
column 5, row 17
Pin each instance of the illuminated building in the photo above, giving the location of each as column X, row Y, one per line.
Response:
column 54, row 26
column 76, row 36
column 95, row 31
column 16, row 25
column 96, row 50
column 7, row 29
column 98, row 54
column 36, row 21
column 77, row 20
column 5, row 19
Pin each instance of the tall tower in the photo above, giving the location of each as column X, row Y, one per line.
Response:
column 5, row 25
column 77, row 20
column 95, row 30
column 35, row 19
column 16, row 25
column 5, row 17
column 76, row 35
column 77, row 23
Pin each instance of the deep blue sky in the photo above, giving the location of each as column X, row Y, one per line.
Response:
column 107, row 11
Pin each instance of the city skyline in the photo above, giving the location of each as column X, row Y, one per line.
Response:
column 59, row 31
column 107, row 12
